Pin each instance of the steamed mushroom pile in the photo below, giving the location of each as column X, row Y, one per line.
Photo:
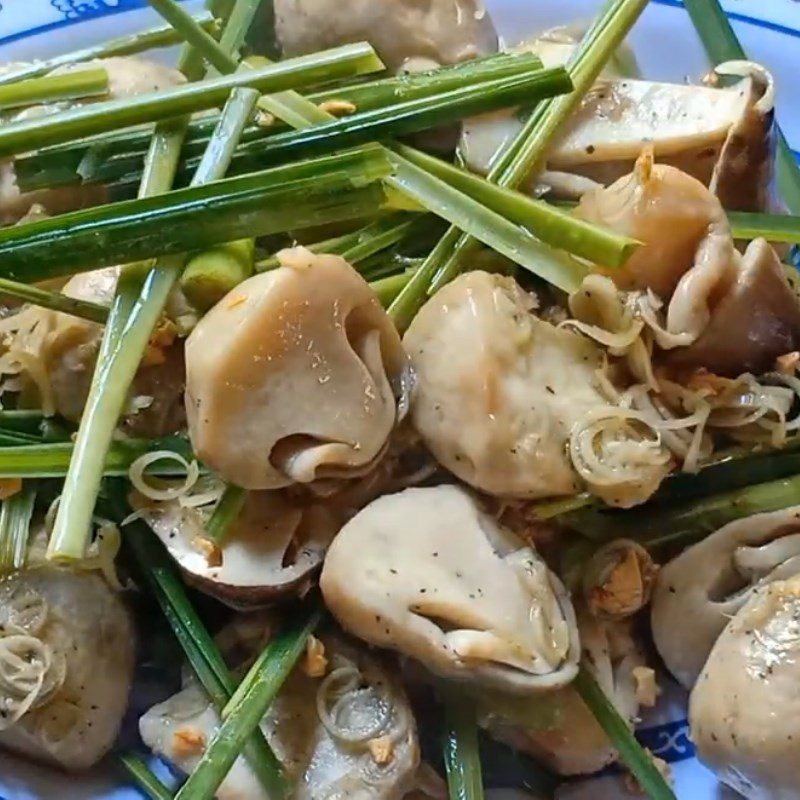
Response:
column 470, row 500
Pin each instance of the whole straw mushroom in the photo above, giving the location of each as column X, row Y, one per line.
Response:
column 701, row 589
column 404, row 33
column 297, row 374
column 744, row 711
column 427, row 573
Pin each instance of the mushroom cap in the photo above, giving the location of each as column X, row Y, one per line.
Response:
column 292, row 376
column 371, row 705
column 744, row 711
column 674, row 215
column 701, row 589
column 755, row 320
column 566, row 737
column 86, row 627
column 271, row 550
column 427, row 573
column 497, row 389
column 401, row 31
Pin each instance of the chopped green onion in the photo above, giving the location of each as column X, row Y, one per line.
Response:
column 23, row 421
column 548, row 223
column 284, row 198
column 238, row 25
column 772, row 227
column 15, row 523
column 54, row 300
column 225, row 513
column 163, row 36
column 389, row 287
column 244, row 712
column 72, row 85
column 488, row 226
column 24, row 459
column 210, row 275
column 143, row 776
column 160, row 575
column 114, row 374
column 27, row 135
column 633, row 755
column 462, row 759
column 721, row 44
column 518, row 159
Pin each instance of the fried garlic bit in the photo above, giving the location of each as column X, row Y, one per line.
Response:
column 339, row 108
column 9, row 487
column 161, row 339
column 618, row 580
column 188, row 742
column 209, row 549
column 647, row 689
column 315, row 664
column 381, row 749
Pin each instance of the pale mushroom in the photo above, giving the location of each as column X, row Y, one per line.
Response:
column 127, row 76
column 427, row 573
column 274, row 548
column 403, row 32
column 723, row 137
column 701, row 589
column 294, row 376
column 76, row 637
column 348, row 734
column 559, row 729
column 54, row 354
column 509, row 402
column 754, row 320
column 744, row 710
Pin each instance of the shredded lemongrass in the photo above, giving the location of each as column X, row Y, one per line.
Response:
column 136, row 473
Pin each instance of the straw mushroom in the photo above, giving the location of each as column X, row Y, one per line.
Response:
column 701, row 589
column 427, row 573
column 272, row 549
column 744, row 710
column 348, row 734
column 65, row 705
column 404, row 33
column 295, row 375
column 559, row 729
column 723, row 137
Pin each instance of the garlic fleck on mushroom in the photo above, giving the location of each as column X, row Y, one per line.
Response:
column 647, row 689
column 315, row 663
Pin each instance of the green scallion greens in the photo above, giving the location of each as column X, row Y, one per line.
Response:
column 143, row 776
column 72, row 85
column 461, row 755
column 225, row 512
column 15, row 520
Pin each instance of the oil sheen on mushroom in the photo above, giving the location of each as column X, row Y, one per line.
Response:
column 295, row 375
column 427, row 573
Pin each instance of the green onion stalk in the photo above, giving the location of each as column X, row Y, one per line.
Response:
column 159, row 575
column 54, row 300
column 461, row 755
column 73, row 85
column 521, row 156
column 114, row 373
column 245, row 710
column 143, row 776
column 161, row 36
column 225, row 513
column 15, row 521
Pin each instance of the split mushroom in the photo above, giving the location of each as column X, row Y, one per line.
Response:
column 701, row 589
column 348, row 734
column 66, row 665
column 427, row 573
column 405, row 33
column 559, row 729
column 273, row 548
column 295, row 375
column 744, row 710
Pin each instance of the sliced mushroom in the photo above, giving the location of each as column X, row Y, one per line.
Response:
column 294, row 376
column 403, row 32
column 350, row 734
column 273, row 548
column 561, row 731
column 127, row 76
column 427, row 573
column 755, row 320
column 723, row 137
column 701, row 589
column 494, row 399
column 56, row 354
column 66, row 665
column 744, row 711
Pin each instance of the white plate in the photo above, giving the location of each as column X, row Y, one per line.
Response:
column 666, row 47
